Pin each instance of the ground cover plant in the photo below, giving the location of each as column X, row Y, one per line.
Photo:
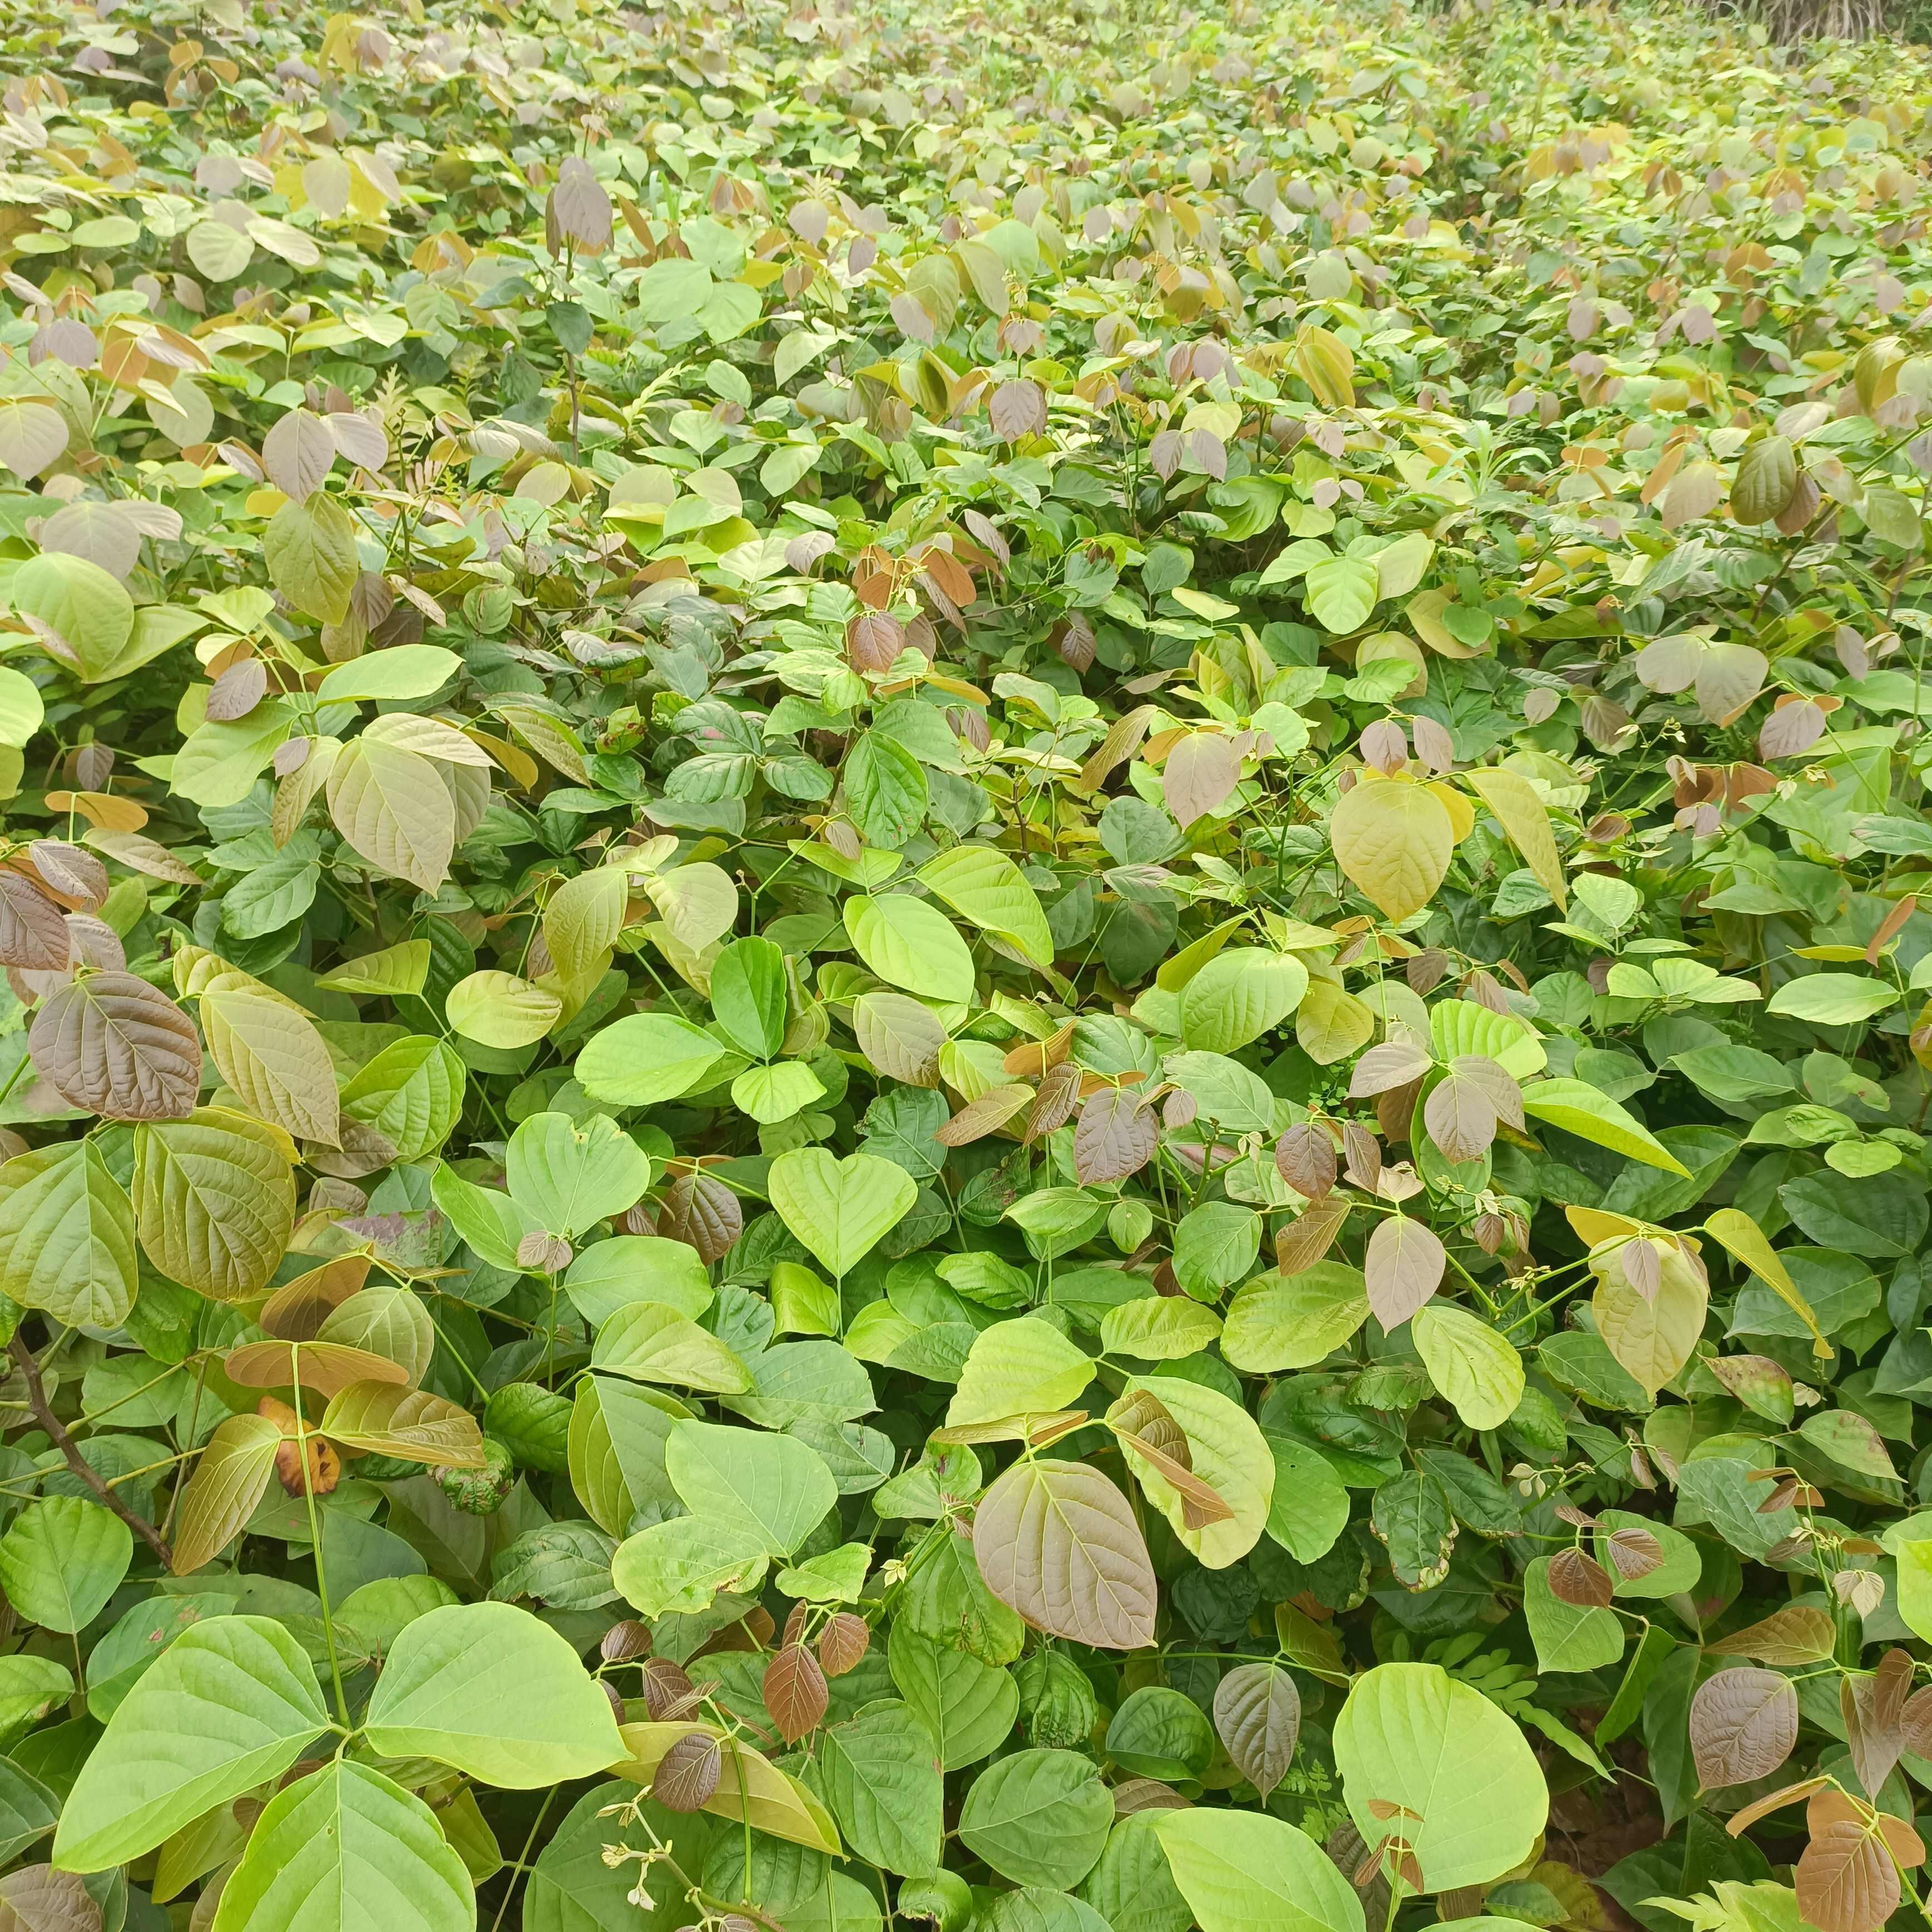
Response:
column 962, row 968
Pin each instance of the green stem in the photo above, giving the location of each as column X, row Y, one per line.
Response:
column 315, row 1543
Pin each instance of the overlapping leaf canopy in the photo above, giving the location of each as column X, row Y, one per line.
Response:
column 948, row 983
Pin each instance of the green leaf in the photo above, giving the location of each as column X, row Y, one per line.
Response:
column 1478, row 1369
column 969, row 1707
column 748, row 996
column 1293, row 1322
column 571, row 1888
column 677, row 1567
column 910, row 944
column 981, row 883
column 1567, row 1636
column 85, row 607
column 67, row 1236
column 404, row 671
column 841, row 1209
column 62, row 1560
column 218, row 763
column 648, row 1057
column 1410, row 1735
column 1038, row 1817
column 1238, row 996
column 29, row 1687
column 343, row 1849
column 1394, row 841
column 309, row 550
column 1025, row 1367
column 214, row 1201
column 1341, row 591
column 1833, row 999
column 1242, row 1872
column 571, row 1175
column 886, row 789
column 880, row 1775
column 1591, row 1114
column 1310, row 1508
column 494, row 1691
column 774, row 1487
column 28, row 1811
column 228, row 1706
column 650, row 1341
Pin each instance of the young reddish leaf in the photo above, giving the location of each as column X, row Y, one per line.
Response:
column 1258, row 1715
column 1303, row 1242
column 1873, row 1707
column 1115, row 1137
column 687, row 1773
column 1744, row 1723
column 1403, row 1268
column 1799, row 1633
column 794, row 1691
column 1579, row 1580
column 843, row 1643
column 1057, row 1542
column 1845, row 1881
column 1634, row 1552
column 1304, row 1157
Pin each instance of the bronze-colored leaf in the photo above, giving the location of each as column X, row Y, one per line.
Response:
column 1742, row 1822
column 75, row 876
column 1643, row 1267
column 1058, row 1543
column 229, row 1480
column 1845, row 1881
column 1361, row 1155
column 37, row 1898
column 1141, row 1420
column 985, row 1114
column 327, row 1367
column 1394, row 1063
column 114, row 1044
column 1304, row 1157
column 1258, row 1715
column 32, row 932
column 1744, row 1723
column 541, row 1253
column 1634, row 1552
column 1579, row 1580
column 625, row 1642
column 1143, row 1415
column 1059, row 1094
column 794, row 1691
column 1403, row 1267
column 687, row 1773
column 703, row 1213
column 1914, row 1723
column 1115, row 1137
column 1799, row 1633
column 1017, row 408
column 1303, row 1242
column 843, row 1643
column 297, row 1309
column 1460, row 1117
column 669, row 1693
column 874, row 639
column 238, row 690
column 1873, row 1707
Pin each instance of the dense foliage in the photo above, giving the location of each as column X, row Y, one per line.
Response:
column 961, row 968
